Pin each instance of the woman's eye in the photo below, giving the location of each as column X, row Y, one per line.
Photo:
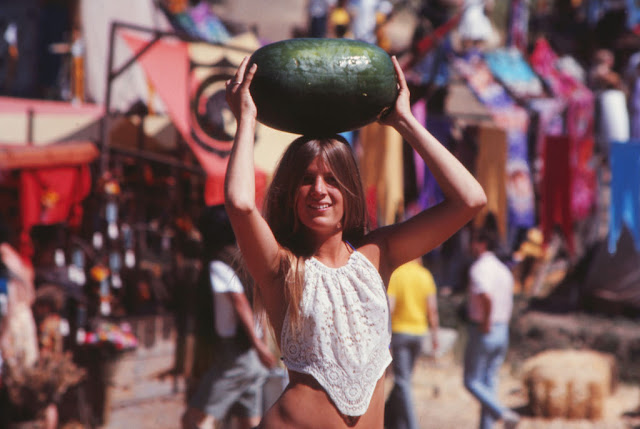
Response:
column 330, row 180
column 307, row 180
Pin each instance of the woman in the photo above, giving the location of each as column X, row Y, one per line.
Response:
column 321, row 276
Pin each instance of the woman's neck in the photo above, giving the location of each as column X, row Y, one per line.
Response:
column 332, row 251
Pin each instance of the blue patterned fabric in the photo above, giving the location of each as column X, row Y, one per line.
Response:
column 625, row 192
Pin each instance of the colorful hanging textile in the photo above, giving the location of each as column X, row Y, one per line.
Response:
column 580, row 103
column 419, row 110
column 51, row 195
column 518, row 31
column 624, row 208
column 490, row 171
column 197, row 22
column 557, row 179
column 430, row 193
column 381, row 167
column 515, row 121
column 510, row 67
column 520, row 194
column 479, row 78
column 544, row 61
column 556, row 188
column 634, row 109
column 550, row 114
column 580, row 127
column 633, row 15
column 433, row 67
column 428, row 190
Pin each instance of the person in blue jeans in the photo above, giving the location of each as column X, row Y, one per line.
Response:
column 414, row 312
column 489, row 308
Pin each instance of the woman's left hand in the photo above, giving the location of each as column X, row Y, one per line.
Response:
column 402, row 107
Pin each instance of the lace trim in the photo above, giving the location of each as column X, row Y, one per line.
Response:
column 344, row 335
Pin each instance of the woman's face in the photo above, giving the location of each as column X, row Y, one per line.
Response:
column 319, row 201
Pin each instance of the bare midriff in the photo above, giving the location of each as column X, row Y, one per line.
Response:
column 305, row 405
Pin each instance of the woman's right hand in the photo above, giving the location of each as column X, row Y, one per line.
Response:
column 238, row 95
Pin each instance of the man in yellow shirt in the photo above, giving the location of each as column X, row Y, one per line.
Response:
column 414, row 309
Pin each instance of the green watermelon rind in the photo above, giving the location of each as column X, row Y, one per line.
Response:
column 322, row 86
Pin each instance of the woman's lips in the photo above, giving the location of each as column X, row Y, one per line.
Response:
column 319, row 206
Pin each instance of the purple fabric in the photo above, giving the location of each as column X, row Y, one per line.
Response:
column 635, row 110
column 519, row 25
column 430, row 194
column 419, row 109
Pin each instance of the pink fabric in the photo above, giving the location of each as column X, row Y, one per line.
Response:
column 580, row 126
column 419, row 110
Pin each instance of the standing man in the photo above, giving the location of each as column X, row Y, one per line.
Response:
column 489, row 307
column 414, row 309
column 318, row 17
column 227, row 335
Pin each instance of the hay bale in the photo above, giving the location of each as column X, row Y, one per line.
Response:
column 570, row 384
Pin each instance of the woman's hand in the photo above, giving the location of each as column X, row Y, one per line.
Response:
column 264, row 354
column 238, row 95
column 402, row 108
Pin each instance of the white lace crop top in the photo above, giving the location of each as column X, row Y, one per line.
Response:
column 344, row 332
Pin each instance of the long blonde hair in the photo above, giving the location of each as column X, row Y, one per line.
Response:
column 280, row 203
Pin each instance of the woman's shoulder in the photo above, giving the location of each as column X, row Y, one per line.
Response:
column 369, row 247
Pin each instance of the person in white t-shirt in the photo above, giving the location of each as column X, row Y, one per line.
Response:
column 234, row 381
column 489, row 308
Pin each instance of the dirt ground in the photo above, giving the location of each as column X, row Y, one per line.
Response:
column 144, row 396
column 440, row 400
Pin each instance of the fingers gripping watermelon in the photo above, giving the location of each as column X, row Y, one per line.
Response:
column 322, row 86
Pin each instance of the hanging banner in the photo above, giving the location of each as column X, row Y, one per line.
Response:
column 518, row 31
column 515, row 121
column 508, row 65
column 624, row 209
column 51, row 195
column 580, row 112
column 190, row 79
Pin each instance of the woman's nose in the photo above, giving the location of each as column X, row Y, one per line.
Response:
column 319, row 185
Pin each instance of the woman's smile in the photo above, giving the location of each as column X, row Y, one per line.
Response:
column 320, row 202
column 320, row 207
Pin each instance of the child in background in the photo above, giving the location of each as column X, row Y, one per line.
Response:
column 340, row 21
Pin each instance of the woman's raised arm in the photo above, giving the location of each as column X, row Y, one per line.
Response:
column 464, row 196
column 259, row 247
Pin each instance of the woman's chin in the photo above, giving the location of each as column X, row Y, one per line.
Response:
column 322, row 227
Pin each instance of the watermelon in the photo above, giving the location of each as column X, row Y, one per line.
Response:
column 322, row 86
